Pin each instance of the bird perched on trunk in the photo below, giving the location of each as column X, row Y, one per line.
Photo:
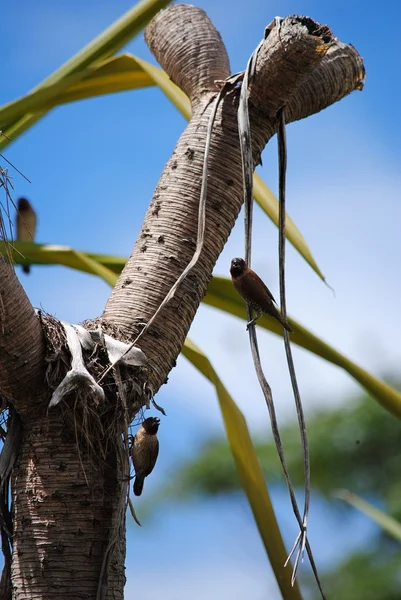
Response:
column 253, row 290
column 26, row 224
column 144, row 451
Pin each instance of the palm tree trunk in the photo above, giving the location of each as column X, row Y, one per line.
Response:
column 69, row 525
column 66, row 505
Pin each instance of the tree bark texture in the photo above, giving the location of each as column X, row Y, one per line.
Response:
column 66, row 500
column 65, row 503
column 300, row 65
column 22, row 349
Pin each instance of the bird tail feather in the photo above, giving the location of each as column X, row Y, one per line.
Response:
column 138, row 485
column 280, row 318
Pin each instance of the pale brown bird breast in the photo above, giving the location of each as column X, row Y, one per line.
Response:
column 144, row 452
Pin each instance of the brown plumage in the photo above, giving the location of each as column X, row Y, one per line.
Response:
column 26, row 224
column 255, row 292
column 144, row 452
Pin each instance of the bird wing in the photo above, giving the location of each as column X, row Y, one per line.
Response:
column 152, row 456
column 26, row 225
column 261, row 290
column 269, row 292
column 146, row 450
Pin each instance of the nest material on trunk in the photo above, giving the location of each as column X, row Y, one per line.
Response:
column 95, row 422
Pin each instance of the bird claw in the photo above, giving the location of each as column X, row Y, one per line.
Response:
column 250, row 324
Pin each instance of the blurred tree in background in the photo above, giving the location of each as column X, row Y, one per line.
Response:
column 357, row 447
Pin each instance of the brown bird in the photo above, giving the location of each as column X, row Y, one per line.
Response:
column 26, row 224
column 144, row 451
column 254, row 291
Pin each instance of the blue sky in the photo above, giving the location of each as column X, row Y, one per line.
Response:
column 94, row 166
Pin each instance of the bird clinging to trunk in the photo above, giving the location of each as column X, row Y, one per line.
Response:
column 254, row 291
column 144, row 452
column 26, row 224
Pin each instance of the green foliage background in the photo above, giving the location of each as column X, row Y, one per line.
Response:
column 357, row 447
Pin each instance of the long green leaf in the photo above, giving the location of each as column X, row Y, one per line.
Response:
column 390, row 525
column 116, row 74
column 238, row 435
column 41, row 254
column 111, row 39
column 269, row 204
column 97, row 268
column 18, row 127
column 263, row 196
column 249, row 471
column 103, row 46
column 222, row 295
column 172, row 91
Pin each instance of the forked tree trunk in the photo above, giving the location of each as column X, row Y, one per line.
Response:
column 67, row 511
